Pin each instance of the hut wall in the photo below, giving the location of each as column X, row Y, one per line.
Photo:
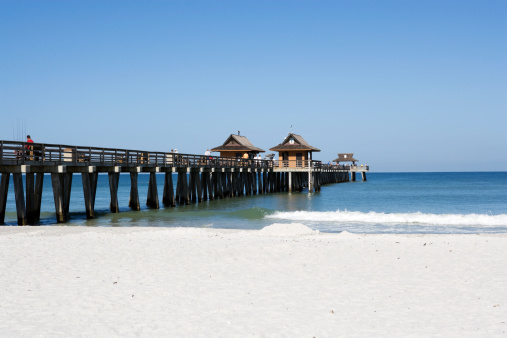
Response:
column 292, row 158
column 232, row 154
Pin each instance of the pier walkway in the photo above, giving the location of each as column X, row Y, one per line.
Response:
column 199, row 177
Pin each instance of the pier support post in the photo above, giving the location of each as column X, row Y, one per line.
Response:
column 114, row 179
column 290, row 181
column 259, row 182
column 363, row 175
column 191, row 185
column 168, row 197
column 30, row 189
column 254, row 182
column 62, row 184
column 37, row 197
column 20, row 198
column 220, row 188
column 4, row 189
column 198, row 186
column 210, row 186
column 34, row 184
column 235, row 183
column 214, row 185
column 89, row 191
column 204, row 185
column 353, row 176
column 152, row 200
column 182, row 187
column 134, row 203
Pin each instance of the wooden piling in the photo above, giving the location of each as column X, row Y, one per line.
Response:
column 29, row 201
column 183, row 184
column 20, row 198
column 134, row 203
column 4, row 189
column 152, row 199
column 192, row 187
column 199, row 186
column 37, row 197
column 89, row 181
column 168, row 195
column 114, row 179
column 62, row 184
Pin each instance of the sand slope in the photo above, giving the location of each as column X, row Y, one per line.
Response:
column 283, row 281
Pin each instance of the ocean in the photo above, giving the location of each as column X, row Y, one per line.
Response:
column 408, row 203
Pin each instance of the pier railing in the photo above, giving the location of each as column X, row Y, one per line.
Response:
column 359, row 168
column 17, row 153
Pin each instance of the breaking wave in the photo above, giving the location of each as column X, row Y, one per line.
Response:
column 372, row 217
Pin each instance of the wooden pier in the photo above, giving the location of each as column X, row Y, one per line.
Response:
column 199, row 178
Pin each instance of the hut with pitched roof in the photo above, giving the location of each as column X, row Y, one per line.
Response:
column 239, row 147
column 294, row 151
column 345, row 157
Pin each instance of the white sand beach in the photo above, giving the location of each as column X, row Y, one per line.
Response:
column 282, row 281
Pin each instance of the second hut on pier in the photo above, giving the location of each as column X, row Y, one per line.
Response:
column 345, row 157
column 294, row 151
column 239, row 147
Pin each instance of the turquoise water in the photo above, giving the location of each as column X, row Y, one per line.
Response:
column 386, row 203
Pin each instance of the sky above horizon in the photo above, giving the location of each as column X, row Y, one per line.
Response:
column 404, row 85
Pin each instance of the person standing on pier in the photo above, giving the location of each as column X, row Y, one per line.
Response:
column 28, row 147
column 207, row 156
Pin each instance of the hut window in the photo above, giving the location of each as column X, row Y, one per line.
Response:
column 345, row 156
column 291, row 141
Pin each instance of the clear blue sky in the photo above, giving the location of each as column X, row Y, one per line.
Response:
column 405, row 85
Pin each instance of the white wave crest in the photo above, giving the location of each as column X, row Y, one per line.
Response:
column 393, row 218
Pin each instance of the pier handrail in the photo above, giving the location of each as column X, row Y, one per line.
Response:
column 17, row 153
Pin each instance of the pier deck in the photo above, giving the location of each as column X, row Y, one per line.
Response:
column 199, row 177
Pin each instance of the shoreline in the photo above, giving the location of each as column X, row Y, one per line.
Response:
column 284, row 280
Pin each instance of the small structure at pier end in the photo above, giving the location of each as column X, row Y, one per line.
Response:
column 239, row 147
column 349, row 157
column 345, row 157
column 294, row 152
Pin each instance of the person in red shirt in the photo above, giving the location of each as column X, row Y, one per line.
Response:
column 28, row 147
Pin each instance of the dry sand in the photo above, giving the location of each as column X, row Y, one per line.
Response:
column 282, row 281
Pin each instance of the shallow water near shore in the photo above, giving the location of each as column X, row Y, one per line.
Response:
column 385, row 203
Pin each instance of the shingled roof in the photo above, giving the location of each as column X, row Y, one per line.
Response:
column 299, row 144
column 237, row 143
column 345, row 157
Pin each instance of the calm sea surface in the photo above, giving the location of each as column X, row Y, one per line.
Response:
column 386, row 203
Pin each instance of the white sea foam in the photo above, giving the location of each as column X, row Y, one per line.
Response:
column 393, row 218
